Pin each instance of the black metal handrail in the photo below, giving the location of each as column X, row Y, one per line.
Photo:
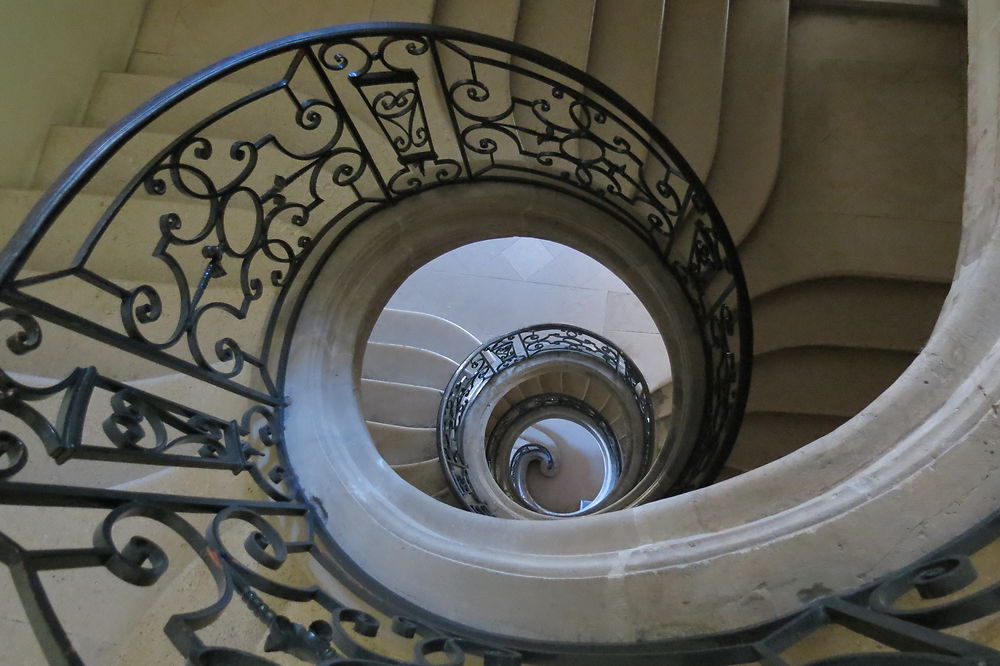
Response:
column 371, row 114
column 505, row 353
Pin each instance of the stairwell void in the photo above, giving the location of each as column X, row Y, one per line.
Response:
column 494, row 288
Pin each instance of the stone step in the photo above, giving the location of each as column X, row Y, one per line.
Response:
column 749, row 144
column 399, row 404
column 560, row 28
column 425, row 331
column 815, row 380
column 767, row 436
column 663, row 401
column 143, row 477
column 117, row 94
column 576, row 385
column 188, row 581
column 852, row 246
column 193, row 482
column 448, row 498
column 515, row 395
column 401, row 445
column 498, row 18
column 661, row 427
column 552, row 382
column 531, row 386
column 689, row 86
column 614, row 413
column 848, row 312
column 426, row 476
column 126, row 249
column 407, row 365
column 178, row 38
column 176, row 66
column 501, row 408
column 64, row 143
column 596, row 396
column 630, row 71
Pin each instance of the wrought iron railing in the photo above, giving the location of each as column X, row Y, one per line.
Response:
column 504, row 354
column 196, row 264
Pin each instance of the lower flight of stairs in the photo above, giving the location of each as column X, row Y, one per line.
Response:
column 408, row 362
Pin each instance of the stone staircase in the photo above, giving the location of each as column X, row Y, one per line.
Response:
column 804, row 149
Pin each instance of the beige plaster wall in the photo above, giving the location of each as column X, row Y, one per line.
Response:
column 50, row 55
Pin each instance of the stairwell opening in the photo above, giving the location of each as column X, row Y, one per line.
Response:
column 446, row 308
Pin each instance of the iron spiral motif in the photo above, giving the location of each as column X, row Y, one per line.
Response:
column 512, row 477
column 147, row 313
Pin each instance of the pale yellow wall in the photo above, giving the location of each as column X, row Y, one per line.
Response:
column 50, row 54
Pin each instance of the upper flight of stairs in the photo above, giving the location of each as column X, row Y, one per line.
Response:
column 730, row 84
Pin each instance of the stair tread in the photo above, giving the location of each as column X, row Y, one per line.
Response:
column 66, row 142
column 117, row 93
column 404, row 364
column 849, row 246
column 596, row 396
column 399, row 404
column 689, row 83
column 576, row 385
column 551, row 382
column 186, row 35
column 133, row 246
column 561, row 28
column 497, row 17
column 767, row 436
column 401, row 445
column 427, row 331
column 812, row 380
column 749, row 144
column 629, row 71
column 426, row 476
column 841, row 313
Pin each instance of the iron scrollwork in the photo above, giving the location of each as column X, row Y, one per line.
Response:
column 196, row 266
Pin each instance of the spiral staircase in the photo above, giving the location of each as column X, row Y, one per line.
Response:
column 219, row 445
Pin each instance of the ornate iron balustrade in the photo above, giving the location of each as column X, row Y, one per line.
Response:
column 197, row 264
column 505, row 353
